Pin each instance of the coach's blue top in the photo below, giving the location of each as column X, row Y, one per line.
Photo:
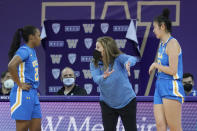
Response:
column 28, row 69
column 116, row 90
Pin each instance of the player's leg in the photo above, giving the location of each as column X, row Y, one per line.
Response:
column 35, row 124
column 21, row 108
column 158, row 108
column 128, row 116
column 109, row 117
column 22, row 125
column 172, row 110
column 160, row 117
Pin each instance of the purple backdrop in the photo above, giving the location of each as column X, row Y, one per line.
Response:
column 64, row 48
column 15, row 14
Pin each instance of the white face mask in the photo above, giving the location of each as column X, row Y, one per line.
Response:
column 68, row 81
column 8, row 84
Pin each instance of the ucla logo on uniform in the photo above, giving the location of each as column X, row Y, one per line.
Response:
column 56, row 58
column 104, row 27
column 55, row 73
column 88, row 42
column 88, row 88
column 56, row 27
column 35, row 63
column 72, row 57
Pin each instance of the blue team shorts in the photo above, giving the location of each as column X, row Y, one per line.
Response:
column 169, row 89
column 24, row 105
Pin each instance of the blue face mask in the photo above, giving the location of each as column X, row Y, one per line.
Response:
column 68, row 81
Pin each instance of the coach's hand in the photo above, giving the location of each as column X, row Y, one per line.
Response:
column 25, row 86
column 128, row 68
column 107, row 73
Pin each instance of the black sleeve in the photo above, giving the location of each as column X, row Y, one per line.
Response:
column 60, row 92
column 80, row 92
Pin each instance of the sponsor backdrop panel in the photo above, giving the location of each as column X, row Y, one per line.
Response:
column 86, row 116
column 71, row 44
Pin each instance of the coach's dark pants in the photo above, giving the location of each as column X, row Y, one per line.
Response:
column 127, row 114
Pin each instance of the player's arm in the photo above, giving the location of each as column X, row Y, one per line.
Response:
column 172, row 51
column 20, row 56
column 12, row 67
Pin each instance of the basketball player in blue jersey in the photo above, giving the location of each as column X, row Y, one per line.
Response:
column 169, row 91
column 23, row 66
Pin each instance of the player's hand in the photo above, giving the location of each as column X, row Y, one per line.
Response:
column 107, row 73
column 128, row 68
column 25, row 86
column 152, row 67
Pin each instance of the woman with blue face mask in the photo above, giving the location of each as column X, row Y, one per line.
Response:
column 70, row 88
column 110, row 69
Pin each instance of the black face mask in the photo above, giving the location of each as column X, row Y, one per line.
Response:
column 97, row 55
column 188, row 87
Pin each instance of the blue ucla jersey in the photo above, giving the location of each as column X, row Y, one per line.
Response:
column 163, row 59
column 25, row 105
column 28, row 69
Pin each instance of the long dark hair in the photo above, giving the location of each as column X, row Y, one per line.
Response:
column 164, row 19
column 20, row 33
